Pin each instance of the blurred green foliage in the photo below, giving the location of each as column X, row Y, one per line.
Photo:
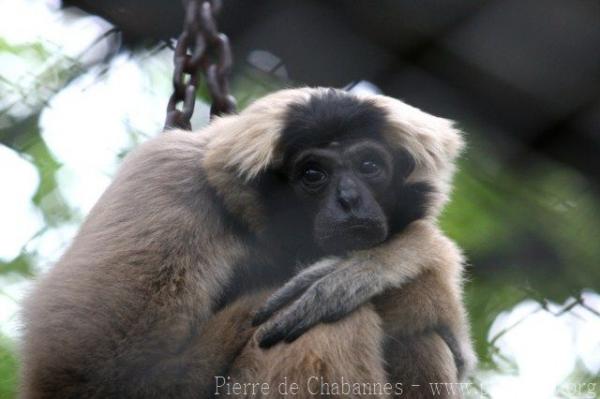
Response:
column 8, row 369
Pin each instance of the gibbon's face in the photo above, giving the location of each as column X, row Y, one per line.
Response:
column 345, row 184
column 340, row 186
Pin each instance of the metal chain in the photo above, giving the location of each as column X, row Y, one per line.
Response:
column 200, row 47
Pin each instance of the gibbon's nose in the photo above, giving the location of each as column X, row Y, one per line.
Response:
column 348, row 194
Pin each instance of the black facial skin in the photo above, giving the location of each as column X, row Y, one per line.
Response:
column 346, row 195
column 342, row 187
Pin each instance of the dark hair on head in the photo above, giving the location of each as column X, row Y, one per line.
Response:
column 332, row 114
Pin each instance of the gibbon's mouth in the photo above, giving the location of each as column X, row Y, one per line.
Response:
column 353, row 234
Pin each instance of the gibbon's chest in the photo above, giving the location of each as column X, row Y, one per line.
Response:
column 252, row 275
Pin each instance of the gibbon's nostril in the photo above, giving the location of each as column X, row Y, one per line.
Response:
column 348, row 194
column 349, row 198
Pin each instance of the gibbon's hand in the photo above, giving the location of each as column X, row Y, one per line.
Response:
column 326, row 292
column 293, row 288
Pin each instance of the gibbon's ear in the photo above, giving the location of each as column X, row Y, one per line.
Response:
column 433, row 142
column 239, row 147
column 246, row 144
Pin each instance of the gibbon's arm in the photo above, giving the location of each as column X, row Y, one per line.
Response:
column 429, row 304
column 128, row 310
column 146, row 370
column 330, row 289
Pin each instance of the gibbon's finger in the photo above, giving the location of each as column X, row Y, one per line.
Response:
column 277, row 301
column 292, row 289
column 298, row 330
column 303, row 314
column 272, row 335
column 289, row 329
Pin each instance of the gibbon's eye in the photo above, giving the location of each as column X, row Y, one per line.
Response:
column 313, row 176
column 369, row 167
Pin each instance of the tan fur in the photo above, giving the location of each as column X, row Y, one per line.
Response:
column 133, row 275
column 241, row 146
column 348, row 350
column 139, row 280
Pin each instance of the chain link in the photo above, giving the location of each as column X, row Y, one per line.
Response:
column 200, row 47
